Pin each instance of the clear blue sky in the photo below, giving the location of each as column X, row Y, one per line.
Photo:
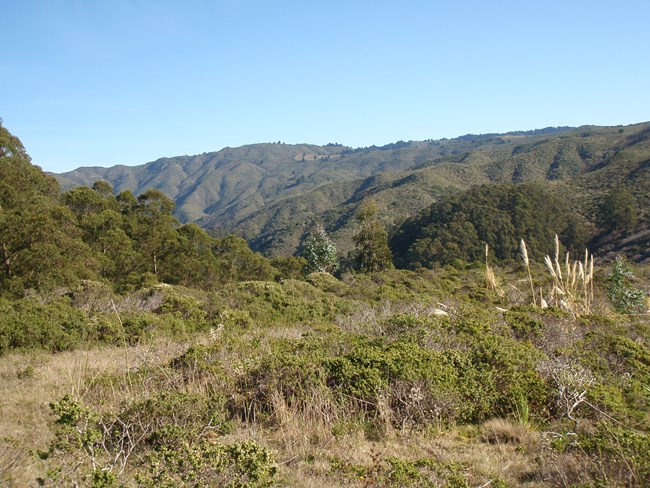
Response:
column 126, row 82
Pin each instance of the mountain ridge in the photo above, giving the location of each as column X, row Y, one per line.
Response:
column 270, row 193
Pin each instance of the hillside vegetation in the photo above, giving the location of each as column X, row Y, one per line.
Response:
column 458, row 227
column 270, row 194
column 136, row 350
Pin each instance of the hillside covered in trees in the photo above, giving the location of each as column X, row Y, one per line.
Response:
column 139, row 350
column 51, row 239
column 458, row 227
column 271, row 194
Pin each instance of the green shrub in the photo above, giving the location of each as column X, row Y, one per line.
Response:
column 202, row 463
column 289, row 302
column 623, row 369
column 188, row 413
column 89, row 445
column 56, row 326
column 523, row 325
column 624, row 296
column 184, row 307
column 78, row 430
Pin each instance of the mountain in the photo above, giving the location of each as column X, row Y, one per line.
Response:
column 271, row 193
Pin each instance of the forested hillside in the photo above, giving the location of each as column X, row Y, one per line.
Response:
column 270, row 194
column 459, row 227
column 51, row 239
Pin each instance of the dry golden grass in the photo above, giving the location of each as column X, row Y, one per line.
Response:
column 573, row 289
column 481, row 462
column 524, row 256
column 506, row 431
column 30, row 381
column 302, row 438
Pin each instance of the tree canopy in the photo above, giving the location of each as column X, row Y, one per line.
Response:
column 618, row 210
column 371, row 240
column 459, row 226
column 319, row 252
column 49, row 240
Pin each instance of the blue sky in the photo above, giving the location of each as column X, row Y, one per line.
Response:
column 86, row 83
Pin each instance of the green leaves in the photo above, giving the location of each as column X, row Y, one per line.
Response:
column 371, row 252
column 618, row 210
column 624, row 296
column 320, row 252
column 458, row 227
column 39, row 240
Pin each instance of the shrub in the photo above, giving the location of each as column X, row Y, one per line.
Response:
column 289, row 302
column 613, row 453
column 320, row 252
column 624, row 297
column 56, row 326
column 202, row 463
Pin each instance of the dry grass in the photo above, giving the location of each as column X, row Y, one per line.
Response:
column 572, row 287
column 318, row 465
column 491, row 278
column 506, row 431
column 573, row 282
column 302, row 438
column 524, row 257
column 31, row 381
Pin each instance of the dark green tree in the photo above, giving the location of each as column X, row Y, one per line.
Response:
column 371, row 240
column 289, row 267
column 618, row 210
column 237, row 262
column 459, row 226
column 155, row 232
column 193, row 262
column 40, row 243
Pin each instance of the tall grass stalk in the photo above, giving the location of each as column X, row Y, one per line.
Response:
column 524, row 257
column 126, row 347
column 572, row 290
column 490, row 278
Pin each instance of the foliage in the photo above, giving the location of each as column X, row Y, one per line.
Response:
column 289, row 267
column 319, row 252
column 89, row 233
column 57, row 326
column 39, row 240
column 624, row 296
column 368, row 359
column 618, row 454
column 79, row 429
column 239, row 465
column 206, row 361
column 161, row 429
column 238, row 263
column 371, row 241
column 618, row 210
column 459, row 227
column 269, row 199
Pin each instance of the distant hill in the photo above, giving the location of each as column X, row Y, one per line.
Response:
column 271, row 193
